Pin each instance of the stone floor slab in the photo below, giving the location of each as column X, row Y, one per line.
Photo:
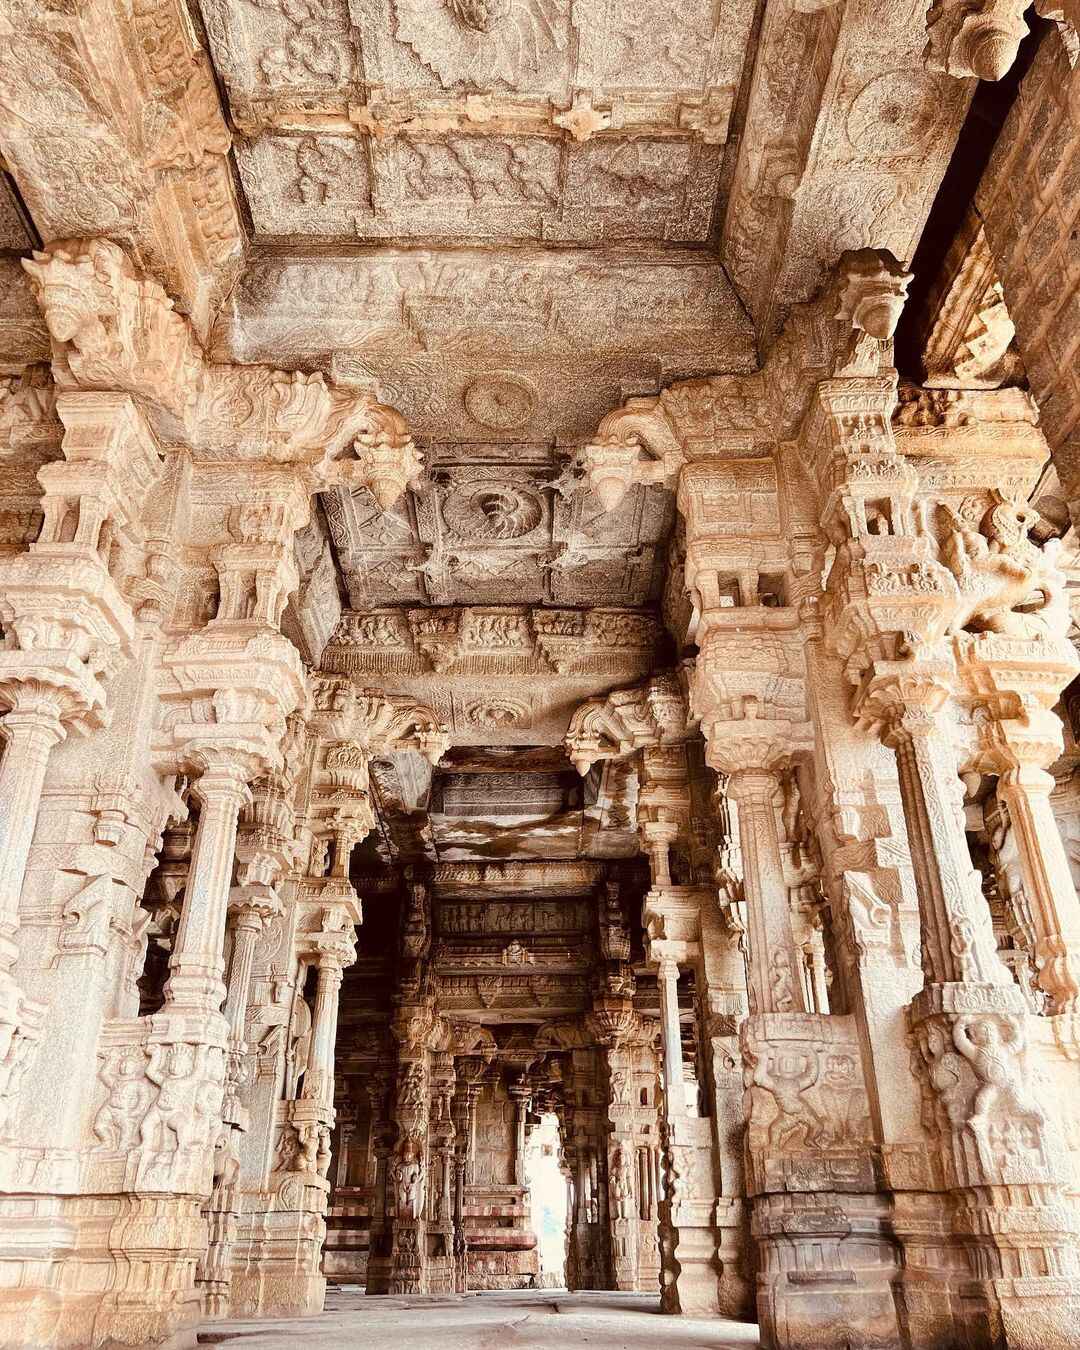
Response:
column 549, row 1320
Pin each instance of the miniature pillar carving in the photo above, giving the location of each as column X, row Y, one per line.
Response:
column 32, row 727
column 1048, row 884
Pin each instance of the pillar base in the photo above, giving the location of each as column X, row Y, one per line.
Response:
column 826, row 1268
column 277, row 1252
column 58, row 1253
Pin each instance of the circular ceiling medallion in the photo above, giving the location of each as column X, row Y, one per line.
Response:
column 500, row 401
column 493, row 509
column 496, row 713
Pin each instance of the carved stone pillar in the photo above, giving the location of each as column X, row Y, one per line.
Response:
column 774, row 983
column 1000, row 1151
column 667, row 982
column 381, row 1232
column 31, row 728
column 1012, row 688
column 249, row 914
column 319, row 1078
column 197, row 962
column 521, row 1096
column 414, row 1024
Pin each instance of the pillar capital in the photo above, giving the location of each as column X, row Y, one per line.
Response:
column 224, row 767
column 755, row 786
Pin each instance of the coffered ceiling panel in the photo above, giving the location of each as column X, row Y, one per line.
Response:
column 486, row 533
column 551, row 120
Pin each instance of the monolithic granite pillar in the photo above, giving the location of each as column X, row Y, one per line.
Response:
column 1001, row 1152
column 774, row 983
column 409, row 1170
column 197, row 963
column 249, row 910
column 1012, row 688
column 667, row 983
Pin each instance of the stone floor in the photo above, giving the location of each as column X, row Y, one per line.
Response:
column 513, row 1321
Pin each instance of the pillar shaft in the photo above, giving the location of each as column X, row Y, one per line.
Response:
column 196, row 964
column 774, row 983
column 667, row 979
column 319, row 1079
column 31, row 734
column 957, row 937
column 245, row 936
column 1048, row 884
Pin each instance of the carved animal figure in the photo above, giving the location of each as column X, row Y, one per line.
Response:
column 1006, row 584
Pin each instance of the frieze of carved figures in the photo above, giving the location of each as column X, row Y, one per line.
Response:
column 476, row 639
column 804, row 1088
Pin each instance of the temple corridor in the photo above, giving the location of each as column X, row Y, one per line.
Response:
column 540, row 674
column 554, row 1320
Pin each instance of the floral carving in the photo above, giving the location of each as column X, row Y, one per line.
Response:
column 507, row 40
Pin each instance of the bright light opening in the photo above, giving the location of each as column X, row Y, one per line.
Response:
column 547, row 1200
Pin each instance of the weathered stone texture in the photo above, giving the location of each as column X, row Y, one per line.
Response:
column 1029, row 201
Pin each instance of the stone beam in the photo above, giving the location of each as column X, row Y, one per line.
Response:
column 846, row 138
column 110, row 125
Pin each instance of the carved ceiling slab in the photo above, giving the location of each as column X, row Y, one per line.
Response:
column 847, row 135
column 488, row 532
column 490, row 345
column 464, row 185
column 279, row 59
column 502, row 675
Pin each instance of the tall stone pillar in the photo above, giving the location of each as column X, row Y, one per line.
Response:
column 411, row 1165
column 773, row 978
column 248, row 914
column 1012, row 694
column 200, row 682
column 197, row 963
column 381, row 1231
column 440, row 1198
column 667, row 983
column 521, row 1096
column 936, row 601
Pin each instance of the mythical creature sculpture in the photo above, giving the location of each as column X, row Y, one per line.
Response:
column 1007, row 585
column 993, row 1045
